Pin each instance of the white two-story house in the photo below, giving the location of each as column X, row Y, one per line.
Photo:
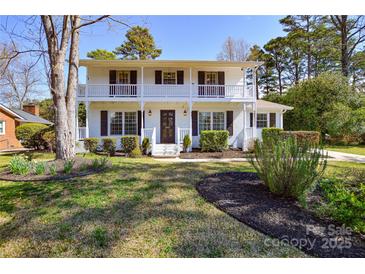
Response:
column 166, row 100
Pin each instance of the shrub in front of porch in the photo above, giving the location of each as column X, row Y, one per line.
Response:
column 214, row 140
column 129, row 143
column 30, row 135
column 109, row 145
column 91, row 144
column 271, row 134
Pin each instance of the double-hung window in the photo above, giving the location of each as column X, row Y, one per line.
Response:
column 261, row 120
column 211, row 121
column 116, row 123
column 169, row 78
column 2, row 127
column 211, row 78
column 130, row 123
column 123, row 77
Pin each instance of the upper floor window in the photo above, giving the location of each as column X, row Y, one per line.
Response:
column 169, row 78
column 123, row 77
column 2, row 127
column 211, row 78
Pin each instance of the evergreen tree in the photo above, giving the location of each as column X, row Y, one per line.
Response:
column 101, row 54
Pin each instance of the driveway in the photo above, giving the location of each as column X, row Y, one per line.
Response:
column 346, row 157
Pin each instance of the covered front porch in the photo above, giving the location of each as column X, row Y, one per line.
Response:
column 167, row 123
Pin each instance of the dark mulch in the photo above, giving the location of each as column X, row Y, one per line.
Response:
column 243, row 196
column 197, row 154
column 81, row 167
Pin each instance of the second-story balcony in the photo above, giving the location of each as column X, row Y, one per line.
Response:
column 155, row 92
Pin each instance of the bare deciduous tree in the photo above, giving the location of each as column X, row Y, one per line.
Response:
column 234, row 50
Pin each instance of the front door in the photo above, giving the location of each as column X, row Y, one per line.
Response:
column 167, row 126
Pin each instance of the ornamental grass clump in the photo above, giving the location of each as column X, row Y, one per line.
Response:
column 287, row 168
column 19, row 165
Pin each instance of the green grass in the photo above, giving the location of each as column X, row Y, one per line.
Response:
column 138, row 208
column 359, row 149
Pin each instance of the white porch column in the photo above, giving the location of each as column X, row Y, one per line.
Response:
column 190, row 109
column 254, row 110
column 244, row 145
column 142, row 103
column 77, row 137
column 87, row 106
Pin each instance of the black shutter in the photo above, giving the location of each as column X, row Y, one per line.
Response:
column 112, row 81
column 201, row 81
column 104, row 123
column 272, row 119
column 133, row 81
column 133, row 74
column 194, row 120
column 221, row 82
column 139, row 119
column 180, row 77
column 158, row 77
column 251, row 119
column 230, row 122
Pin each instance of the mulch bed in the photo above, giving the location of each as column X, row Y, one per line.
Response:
column 243, row 196
column 78, row 170
column 197, row 154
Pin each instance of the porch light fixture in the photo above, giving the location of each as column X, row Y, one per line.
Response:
column 185, row 112
column 149, row 113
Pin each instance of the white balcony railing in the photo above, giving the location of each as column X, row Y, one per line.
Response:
column 165, row 91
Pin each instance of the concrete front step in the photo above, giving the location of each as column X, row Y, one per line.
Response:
column 166, row 150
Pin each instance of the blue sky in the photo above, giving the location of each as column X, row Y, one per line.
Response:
column 187, row 37
column 179, row 37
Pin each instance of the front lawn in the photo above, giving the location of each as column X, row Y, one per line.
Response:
column 139, row 208
column 359, row 149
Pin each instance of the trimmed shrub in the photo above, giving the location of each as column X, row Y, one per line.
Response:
column 214, row 140
column 91, row 144
column 135, row 153
column 109, row 145
column 288, row 169
column 186, row 142
column 129, row 143
column 271, row 134
column 30, row 135
column 310, row 137
column 146, row 145
column 18, row 165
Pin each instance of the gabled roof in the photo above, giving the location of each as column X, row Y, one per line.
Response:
column 24, row 116
column 266, row 105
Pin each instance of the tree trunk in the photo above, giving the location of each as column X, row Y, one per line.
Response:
column 344, row 48
column 309, row 50
column 257, row 84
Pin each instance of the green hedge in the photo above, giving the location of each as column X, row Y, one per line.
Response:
column 30, row 135
column 214, row 140
column 129, row 143
column 91, row 144
column 271, row 134
column 274, row 134
column 310, row 137
column 109, row 145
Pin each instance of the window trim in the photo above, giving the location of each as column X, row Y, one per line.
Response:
column 205, row 78
column 267, row 118
column 211, row 120
column 167, row 71
column 4, row 127
column 129, row 77
column 123, row 122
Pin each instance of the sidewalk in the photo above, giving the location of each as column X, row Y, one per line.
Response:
column 333, row 156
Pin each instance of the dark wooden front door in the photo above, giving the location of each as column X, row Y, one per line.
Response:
column 167, row 126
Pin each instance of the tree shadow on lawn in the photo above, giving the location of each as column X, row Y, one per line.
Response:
column 133, row 210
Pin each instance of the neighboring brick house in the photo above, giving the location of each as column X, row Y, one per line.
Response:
column 10, row 118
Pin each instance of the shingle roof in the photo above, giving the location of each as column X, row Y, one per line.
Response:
column 262, row 104
column 28, row 117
